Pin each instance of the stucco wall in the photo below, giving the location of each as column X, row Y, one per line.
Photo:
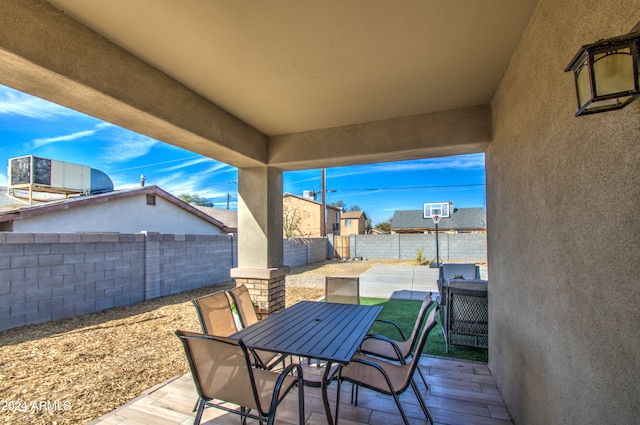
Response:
column 127, row 215
column 564, row 230
column 302, row 217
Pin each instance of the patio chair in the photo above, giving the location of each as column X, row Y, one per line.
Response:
column 247, row 313
column 451, row 271
column 222, row 372
column 399, row 350
column 244, row 305
column 345, row 290
column 215, row 314
column 342, row 290
column 386, row 377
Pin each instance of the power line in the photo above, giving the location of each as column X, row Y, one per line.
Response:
column 406, row 187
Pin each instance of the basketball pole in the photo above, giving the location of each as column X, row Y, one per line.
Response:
column 436, row 220
column 437, row 248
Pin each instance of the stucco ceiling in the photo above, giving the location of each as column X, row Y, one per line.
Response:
column 286, row 66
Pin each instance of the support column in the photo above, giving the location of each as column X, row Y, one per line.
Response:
column 260, row 242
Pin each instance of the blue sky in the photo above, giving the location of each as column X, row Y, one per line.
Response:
column 32, row 126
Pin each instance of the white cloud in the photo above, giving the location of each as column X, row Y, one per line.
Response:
column 66, row 138
column 461, row 162
column 128, row 146
column 4, row 180
column 13, row 102
column 222, row 167
column 186, row 164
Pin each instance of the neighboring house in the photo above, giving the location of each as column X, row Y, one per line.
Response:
column 228, row 218
column 124, row 211
column 302, row 217
column 462, row 220
column 333, row 219
column 353, row 223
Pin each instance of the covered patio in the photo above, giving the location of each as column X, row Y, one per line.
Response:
column 460, row 392
column 270, row 87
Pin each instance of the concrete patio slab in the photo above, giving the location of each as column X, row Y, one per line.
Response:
column 398, row 282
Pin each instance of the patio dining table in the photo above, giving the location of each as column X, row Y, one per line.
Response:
column 329, row 332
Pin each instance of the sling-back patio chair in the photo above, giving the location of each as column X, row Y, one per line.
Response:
column 247, row 313
column 342, row 290
column 345, row 290
column 385, row 377
column 215, row 314
column 222, row 372
column 400, row 350
column 244, row 305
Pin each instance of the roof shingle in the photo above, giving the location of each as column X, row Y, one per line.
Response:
column 461, row 219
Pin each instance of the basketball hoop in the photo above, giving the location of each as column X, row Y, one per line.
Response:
column 435, row 218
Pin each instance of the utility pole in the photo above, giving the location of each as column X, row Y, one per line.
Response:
column 228, row 199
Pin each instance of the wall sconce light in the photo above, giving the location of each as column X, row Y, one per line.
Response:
column 606, row 74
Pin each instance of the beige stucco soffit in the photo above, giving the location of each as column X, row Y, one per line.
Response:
column 46, row 53
column 453, row 132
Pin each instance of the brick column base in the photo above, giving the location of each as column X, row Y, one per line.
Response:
column 266, row 287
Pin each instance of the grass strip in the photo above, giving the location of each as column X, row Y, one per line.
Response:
column 404, row 313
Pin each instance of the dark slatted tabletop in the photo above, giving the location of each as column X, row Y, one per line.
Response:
column 325, row 331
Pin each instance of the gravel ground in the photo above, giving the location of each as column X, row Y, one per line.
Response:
column 73, row 370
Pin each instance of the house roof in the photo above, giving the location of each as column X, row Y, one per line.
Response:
column 353, row 214
column 302, row 198
column 26, row 211
column 461, row 218
column 9, row 203
column 229, row 218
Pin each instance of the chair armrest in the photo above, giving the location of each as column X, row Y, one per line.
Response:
column 393, row 343
column 287, row 370
column 394, row 324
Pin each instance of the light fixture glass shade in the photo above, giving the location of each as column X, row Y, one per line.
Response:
column 606, row 74
column 613, row 72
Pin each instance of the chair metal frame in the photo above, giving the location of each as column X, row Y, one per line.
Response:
column 408, row 344
column 261, row 415
column 366, row 362
column 246, row 311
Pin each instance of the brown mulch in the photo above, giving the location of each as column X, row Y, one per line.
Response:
column 74, row 370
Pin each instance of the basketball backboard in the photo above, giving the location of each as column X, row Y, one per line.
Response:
column 440, row 209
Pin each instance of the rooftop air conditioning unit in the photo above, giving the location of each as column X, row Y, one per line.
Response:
column 35, row 174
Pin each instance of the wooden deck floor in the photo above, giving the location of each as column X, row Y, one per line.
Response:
column 460, row 392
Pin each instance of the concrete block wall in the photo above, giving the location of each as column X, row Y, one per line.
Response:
column 452, row 247
column 179, row 262
column 316, row 250
column 298, row 252
column 49, row 276
column 466, row 246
